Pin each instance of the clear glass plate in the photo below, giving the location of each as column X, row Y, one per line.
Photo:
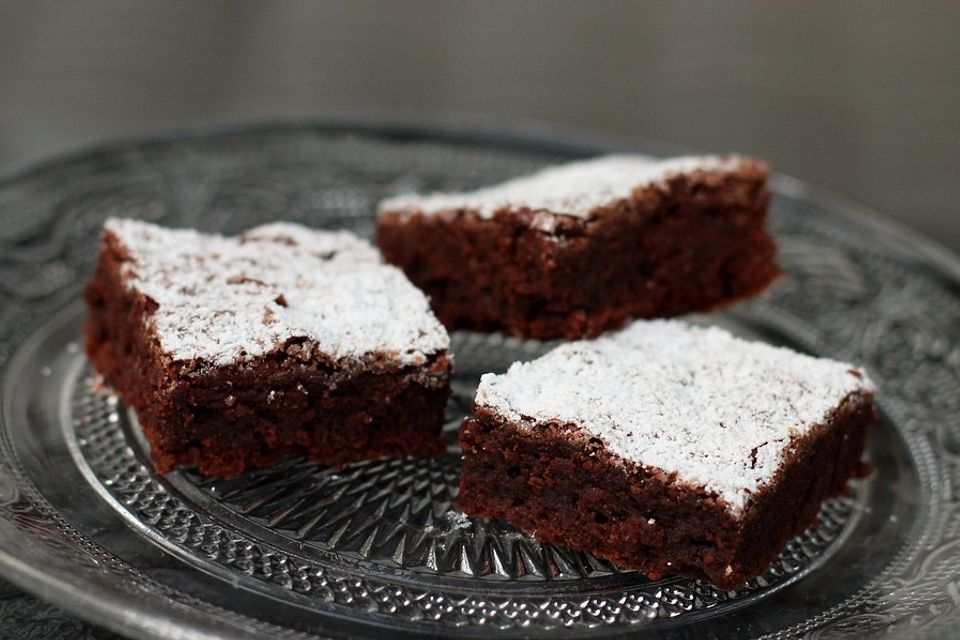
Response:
column 377, row 548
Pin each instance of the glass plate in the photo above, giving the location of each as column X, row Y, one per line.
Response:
column 302, row 551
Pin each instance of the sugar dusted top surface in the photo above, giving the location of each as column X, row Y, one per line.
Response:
column 225, row 299
column 716, row 410
column 575, row 189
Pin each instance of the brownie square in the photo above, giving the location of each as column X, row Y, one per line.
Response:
column 236, row 352
column 667, row 448
column 579, row 249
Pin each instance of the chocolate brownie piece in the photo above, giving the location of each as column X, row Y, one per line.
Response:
column 579, row 249
column 236, row 352
column 667, row 448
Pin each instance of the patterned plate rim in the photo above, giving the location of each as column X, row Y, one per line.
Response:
column 97, row 606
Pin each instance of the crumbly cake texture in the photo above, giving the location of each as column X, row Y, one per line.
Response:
column 283, row 340
column 667, row 447
column 578, row 249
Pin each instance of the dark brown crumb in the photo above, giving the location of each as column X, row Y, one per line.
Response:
column 290, row 401
column 563, row 488
column 696, row 243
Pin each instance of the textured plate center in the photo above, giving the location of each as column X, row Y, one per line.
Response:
column 401, row 513
column 84, row 519
column 388, row 517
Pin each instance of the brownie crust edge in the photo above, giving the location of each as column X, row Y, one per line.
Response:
column 563, row 487
column 289, row 401
column 695, row 243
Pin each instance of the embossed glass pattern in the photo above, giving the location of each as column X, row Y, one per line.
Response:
column 300, row 550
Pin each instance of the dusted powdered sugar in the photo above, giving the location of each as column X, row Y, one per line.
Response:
column 716, row 410
column 225, row 299
column 575, row 189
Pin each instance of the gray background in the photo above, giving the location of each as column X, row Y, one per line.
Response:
column 862, row 98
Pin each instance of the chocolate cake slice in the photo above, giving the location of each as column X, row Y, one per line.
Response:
column 236, row 352
column 581, row 248
column 667, row 448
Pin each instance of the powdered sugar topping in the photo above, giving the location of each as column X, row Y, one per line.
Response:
column 716, row 410
column 225, row 299
column 575, row 189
